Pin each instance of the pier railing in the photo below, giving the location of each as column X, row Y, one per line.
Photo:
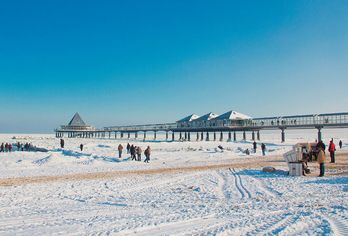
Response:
column 298, row 121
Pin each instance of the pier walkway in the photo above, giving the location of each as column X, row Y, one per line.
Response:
column 209, row 130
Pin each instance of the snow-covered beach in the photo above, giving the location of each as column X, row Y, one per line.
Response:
column 188, row 188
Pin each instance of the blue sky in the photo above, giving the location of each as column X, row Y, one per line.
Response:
column 134, row 62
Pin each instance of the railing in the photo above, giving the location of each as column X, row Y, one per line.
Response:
column 152, row 127
column 300, row 121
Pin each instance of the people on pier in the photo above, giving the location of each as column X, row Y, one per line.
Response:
column 120, row 149
column 61, row 143
column 332, row 149
column 263, row 148
column 147, row 154
column 321, row 161
column 81, row 147
column 254, row 146
column 340, row 144
column 138, row 151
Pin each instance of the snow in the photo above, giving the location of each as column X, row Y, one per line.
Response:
column 188, row 188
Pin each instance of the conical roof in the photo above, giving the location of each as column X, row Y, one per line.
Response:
column 189, row 118
column 77, row 121
column 233, row 115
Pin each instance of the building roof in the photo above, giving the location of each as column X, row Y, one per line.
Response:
column 77, row 121
column 189, row 118
column 232, row 115
column 206, row 117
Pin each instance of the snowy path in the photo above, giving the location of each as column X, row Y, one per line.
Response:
column 223, row 202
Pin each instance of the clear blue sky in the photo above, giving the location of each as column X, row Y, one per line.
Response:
column 127, row 62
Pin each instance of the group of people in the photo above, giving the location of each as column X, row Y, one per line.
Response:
column 321, row 154
column 135, row 152
column 263, row 149
column 8, row 147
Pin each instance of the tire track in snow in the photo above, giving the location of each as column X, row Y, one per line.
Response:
column 338, row 225
column 239, row 184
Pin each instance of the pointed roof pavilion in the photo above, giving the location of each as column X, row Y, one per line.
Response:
column 188, row 118
column 232, row 115
column 76, row 124
column 77, row 121
column 206, row 117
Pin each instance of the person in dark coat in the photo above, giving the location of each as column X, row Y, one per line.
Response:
column 263, row 148
column 128, row 148
column 254, row 146
column 332, row 149
column 6, row 147
column 120, row 149
column 320, row 144
column 2, row 147
column 340, row 144
column 147, row 154
column 132, row 152
column 61, row 143
column 81, row 147
column 138, row 151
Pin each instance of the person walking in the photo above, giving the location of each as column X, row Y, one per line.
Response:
column 132, row 152
column 128, row 148
column 6, row 147
column 321, row 162
column 2, row 147
column 138, row 150
column 120, row 148
column 254, row 146
column 332, row 149
column 61, row 143
column 263, row 148
column 147, row 154
column 340, row 144
column 81, row 147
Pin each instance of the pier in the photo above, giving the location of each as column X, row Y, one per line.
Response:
column 209, row 127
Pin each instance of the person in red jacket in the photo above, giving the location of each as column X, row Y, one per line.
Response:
column 332, row 149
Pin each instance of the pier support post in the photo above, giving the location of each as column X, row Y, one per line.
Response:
column 109, row 135
column 166, row 135
column 234, row 137
column 188, row 136
column 155, row 135
column 144, row 135
column 319, row 133
column 185, row 136
column 214, row 136
column 229, row 136
column 283, row 135
column 207, row 136
column 136, row 135
column 202, row 138
column 121, row 134
column 197, row 137
column 258, row 135
column 180, row 135
column 253, row 136
column 115, row 135
column 221, row 136
column 244, row 136
column 173, row 136
column 128, row 135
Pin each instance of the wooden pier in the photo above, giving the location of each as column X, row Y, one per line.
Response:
column 208, row 129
